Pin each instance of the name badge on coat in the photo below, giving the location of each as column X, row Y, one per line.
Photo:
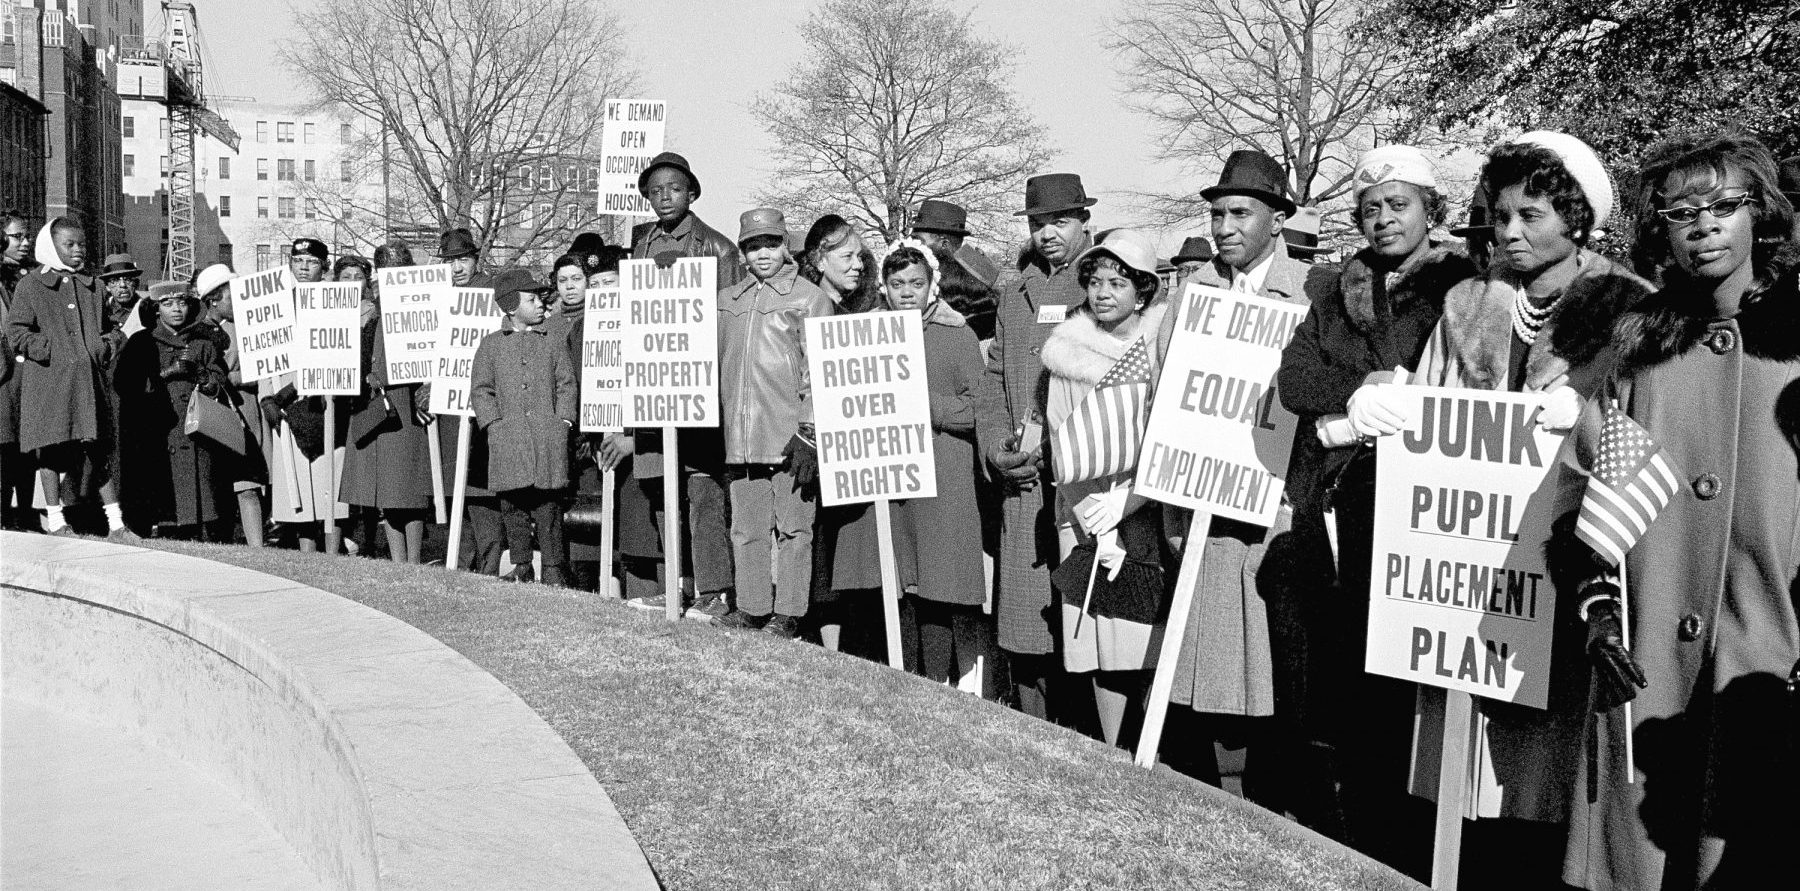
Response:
column 1052, row 315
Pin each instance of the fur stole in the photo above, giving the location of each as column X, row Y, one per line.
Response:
column 1369, row 304
column 1675, row 320
column 1079, row 351
column 1478, row 318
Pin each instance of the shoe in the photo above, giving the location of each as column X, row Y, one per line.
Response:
column 739, row 620
column 710, row 607
column 522, row 573
column 556, row 576
column 784, row 627
column 654, row 603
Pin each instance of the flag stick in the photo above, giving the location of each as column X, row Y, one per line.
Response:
column 436, row 451
column 672, row 606
column 1088, row 600
column 1625, row 637
column 1156, row 707
column 890, row 583
column 459, row 480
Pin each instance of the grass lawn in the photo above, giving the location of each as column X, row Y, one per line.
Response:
column 745, row 762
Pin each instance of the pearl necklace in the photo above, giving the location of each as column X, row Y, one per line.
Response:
column 1528, row 320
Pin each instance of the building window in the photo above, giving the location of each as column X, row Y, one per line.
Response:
column 162, row 128
column 130, row 164
column 264, row 254
column 262, row 131
column 592, row 183
column 546, row 216
column 344, row 134
column 224, row 205
column 284, row 170
column 130, row 127
column 224, row 168
column 225, row 253
column 546, row 178
column 312, row 209
column 286, row 208
column 284, row 131
column 310, row 176
column 262, row 168
column 262, row 211
column 165, row 165
column 308, row 132
column 346, row 171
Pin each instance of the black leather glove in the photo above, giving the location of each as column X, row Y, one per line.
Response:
column 271, row 412
column 1617, row 674
column 802, row 462
column 1018, row 469
column 181, row 368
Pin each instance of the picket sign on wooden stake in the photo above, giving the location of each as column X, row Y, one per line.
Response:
column 608, row 530
column 672, row 606
column 890, row 582
column 289, row 464
column 459, row 480
column 436, row 452
column 1156, row 708
column 1453, row 789
column 329, row 508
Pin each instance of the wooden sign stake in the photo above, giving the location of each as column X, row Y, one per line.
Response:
column 672, row 605
column 1156, row 707
column 458, row 494
column 890, row 582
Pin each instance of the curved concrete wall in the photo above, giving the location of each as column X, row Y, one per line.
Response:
column 384, row 758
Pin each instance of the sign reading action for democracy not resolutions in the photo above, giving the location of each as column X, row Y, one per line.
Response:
column 602, row 327
column 871, row 407
column 410, row 299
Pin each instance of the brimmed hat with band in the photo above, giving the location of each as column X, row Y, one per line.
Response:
column 457, row 243
column 1301, row 232
column 668, row 159
column 1250, row 172
column 1051, row 192
column 211, row 278
column 1132, row 248
column 510, row 283
column 1194, row 249
column 941, row 216
column 119, row 265
column 761, row 221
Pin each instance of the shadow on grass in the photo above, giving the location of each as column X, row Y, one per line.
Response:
column 744, row 762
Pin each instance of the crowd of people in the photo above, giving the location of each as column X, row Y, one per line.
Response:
column 130, row 415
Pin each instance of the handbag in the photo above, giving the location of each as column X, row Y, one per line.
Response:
column 211, row 419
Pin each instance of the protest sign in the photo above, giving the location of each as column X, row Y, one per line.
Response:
column 632, row 134
column 410, row 299
column 1461, row 598
column 1218, row 439
column 468, row 315
column 670, row 350
column 328, row 348
column 602, row 327
column 871, row 408
column 262, row 305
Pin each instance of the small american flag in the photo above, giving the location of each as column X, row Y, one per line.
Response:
column 1632, row 482
column 1103, row 434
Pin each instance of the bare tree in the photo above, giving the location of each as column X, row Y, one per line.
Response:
column 483, row 107
column 1283, row 76
column 898, row 101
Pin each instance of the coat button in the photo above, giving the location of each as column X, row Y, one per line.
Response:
column 1036, row 350
column 1721, row 341
column 1689, row 629
column 1706, row 486
column 71, row 306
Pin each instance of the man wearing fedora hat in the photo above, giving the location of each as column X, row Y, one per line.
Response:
column 671, row 187
column 944, row 227
column 1230, row 725
column 1010, row 418
column 119, row 277
column 1195, row 252
column 481, row 510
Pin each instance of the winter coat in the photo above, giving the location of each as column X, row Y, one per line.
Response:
column 938, row 540
column 169, row 476
column 763, row 385
column 387, row 458
column 845, row 535
column 526, row 401
column 1526, row 756
column 9, row 378
column 1024, row 608
column 251, row 467
column 56, row 325
column 702, row 448
column 1711, row 592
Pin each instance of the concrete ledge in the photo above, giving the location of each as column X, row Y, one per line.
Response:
column 385, row 759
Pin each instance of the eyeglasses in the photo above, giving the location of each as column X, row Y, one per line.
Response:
column 1720, row 209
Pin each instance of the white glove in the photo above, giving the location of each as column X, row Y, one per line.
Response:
column 1335, row 431
column 1110, row 553
column 1379, row 409
column 1562, row 408
column 1101, row 512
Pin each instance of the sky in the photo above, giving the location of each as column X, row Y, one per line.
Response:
column 710, row 58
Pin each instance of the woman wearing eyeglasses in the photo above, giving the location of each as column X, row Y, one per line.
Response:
column 1709, row 367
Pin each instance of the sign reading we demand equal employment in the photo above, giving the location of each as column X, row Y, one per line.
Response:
column 871, row 407
column 632, row 135
column 1461, row 598
column 328, row 350
column 1218, row 439
column 669, row 352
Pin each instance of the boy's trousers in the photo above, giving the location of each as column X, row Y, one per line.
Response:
column 765, row 505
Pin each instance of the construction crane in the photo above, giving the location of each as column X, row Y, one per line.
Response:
column 174, row 76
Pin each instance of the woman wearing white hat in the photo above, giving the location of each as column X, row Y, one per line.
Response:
column 213, row 285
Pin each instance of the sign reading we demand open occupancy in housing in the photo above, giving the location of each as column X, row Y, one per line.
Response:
column 871, row 407
column 1461, row 597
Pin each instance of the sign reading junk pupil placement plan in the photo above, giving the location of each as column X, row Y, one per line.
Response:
column 410, row 299
column 262, row 305
column 670, row 352
column 602, row 327
column 328, row 349
column 871, row 407
column 1218, row 438
column 468, row 314
column 1460, row 595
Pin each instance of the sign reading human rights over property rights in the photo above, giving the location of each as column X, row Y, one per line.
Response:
column 327, row 348
column 631, row 135
column 410, row 299
column 1460, row 596
column 871, row 407
column 1218, row 438
column 602, row 327
column 670, row 350
column 468, row 314
column 262, row 306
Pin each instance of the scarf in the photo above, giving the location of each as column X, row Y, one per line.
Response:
column 46, row 251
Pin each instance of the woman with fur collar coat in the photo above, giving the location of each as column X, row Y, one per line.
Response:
column 1101, row 519
column 1709, row 367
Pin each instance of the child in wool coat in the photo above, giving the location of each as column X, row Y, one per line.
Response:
column 524, row 392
